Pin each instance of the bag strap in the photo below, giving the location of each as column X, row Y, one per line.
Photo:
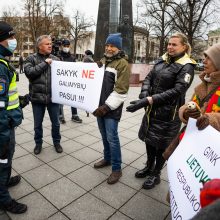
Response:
column 206, row 99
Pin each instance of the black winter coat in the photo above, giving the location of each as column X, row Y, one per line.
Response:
column 167, row 84
column 39, row 74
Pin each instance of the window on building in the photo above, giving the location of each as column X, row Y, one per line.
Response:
column 216, row 40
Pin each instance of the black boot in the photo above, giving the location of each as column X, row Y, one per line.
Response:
column 37, row 149
column 146, row 170
column 154, row 178
column 151, row 154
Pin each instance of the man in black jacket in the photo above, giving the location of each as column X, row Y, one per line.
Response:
column 38, row 71
column 65, row 55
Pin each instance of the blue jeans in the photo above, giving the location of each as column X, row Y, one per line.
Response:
column 73, row 110
column 5, row 171
column 38, row 112
column 112, row 150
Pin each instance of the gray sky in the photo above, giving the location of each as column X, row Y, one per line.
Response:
column 88, row 7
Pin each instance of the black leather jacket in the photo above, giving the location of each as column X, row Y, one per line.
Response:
column 167, row 84
column 39, row 74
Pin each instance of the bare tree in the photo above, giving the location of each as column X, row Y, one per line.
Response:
column 156, row 11
column 192, row 17
column 79, row 28
column 11, row 16
column 41, row 16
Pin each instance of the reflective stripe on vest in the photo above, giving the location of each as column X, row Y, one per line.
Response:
column 13, row 99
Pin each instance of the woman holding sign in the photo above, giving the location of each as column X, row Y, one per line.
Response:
column 206, row 96
column 163, row 92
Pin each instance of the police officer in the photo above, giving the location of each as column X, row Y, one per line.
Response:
column 10, row 117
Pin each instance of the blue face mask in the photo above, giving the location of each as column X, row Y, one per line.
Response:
column 12, row 44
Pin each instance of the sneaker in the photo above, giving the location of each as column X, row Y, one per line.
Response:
column 37, row 149
column 58, row 148
column 14, row 181
column 14, row 207
column 102, row 163
column 76, row 119
column 114, row 177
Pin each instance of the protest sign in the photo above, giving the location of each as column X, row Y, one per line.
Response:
column 196, row 160
column 77, row 84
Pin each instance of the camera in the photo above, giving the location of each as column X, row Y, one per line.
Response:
column 56, row 43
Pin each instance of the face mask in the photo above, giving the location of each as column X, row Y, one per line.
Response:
column 12, row 44
column 66, row 49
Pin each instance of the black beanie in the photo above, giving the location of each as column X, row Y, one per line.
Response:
column 65, row 42
column 88, row 53
column 6, row 31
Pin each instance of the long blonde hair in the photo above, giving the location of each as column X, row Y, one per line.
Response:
column 184, row 41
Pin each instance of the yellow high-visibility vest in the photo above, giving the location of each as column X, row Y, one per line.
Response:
column 13, row 99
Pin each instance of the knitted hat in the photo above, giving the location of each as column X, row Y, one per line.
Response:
column 88, row 53
column 210, row 192
column 6, row 31
column 65, row 42
column 114, row 39
column 214, row 54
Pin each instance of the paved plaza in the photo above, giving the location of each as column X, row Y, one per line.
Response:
column 66, row 186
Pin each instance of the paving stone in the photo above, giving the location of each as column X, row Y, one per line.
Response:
column 38, row 208
column 124, row 140
column 62, row 192
column 88, row 207
column 66, row 164
column 48, row 139
column 119, row 216
column 71, row 134
column 129, row 134
column 41, row 176
column 71, row 146
column 20, row 190
column 98, row 146
column 85, row 128
column 141, row 207
column 86, row 139
column 87, row 177
column 129, row 179
column 128, row 156
column 87, row 155
column 23, row 138
column 48, row 154
column 159, row 192
column 25, row 163
column 19, row 151
column 115, row 195
column 136, row 146
column 4, row 216
column 29, row 146
column 19, row 130
column 58, row 216
column 140, row 163
column 164, row 174
column 95, row 133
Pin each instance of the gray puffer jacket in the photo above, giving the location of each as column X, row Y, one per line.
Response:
column 39, row 74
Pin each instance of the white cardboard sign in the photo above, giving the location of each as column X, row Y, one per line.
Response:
column 77, row 84
column 196, row 159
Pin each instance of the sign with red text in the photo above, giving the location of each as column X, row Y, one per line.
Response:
column 77, row 84
column 196, row 160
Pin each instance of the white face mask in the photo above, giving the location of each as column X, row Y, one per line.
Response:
column 12, row 44
column 66, row 49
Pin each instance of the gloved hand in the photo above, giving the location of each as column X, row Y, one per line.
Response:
column 202, row 122
column 191, row 113
column 101, row 111
column 99, row 63
column 4, row 151
column 137, row 104
column 24, row 100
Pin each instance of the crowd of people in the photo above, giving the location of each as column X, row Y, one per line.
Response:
column 162, row 97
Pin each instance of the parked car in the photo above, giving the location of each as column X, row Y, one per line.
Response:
column 200, row 66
